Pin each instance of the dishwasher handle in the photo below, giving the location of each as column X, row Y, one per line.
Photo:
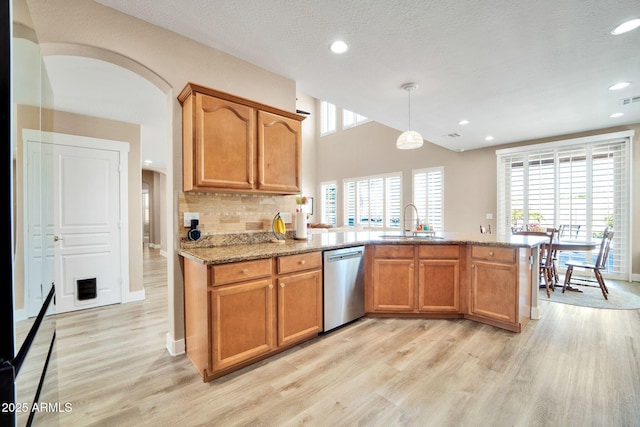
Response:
column 345, row 255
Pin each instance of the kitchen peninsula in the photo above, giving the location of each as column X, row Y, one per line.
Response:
column 244, row 303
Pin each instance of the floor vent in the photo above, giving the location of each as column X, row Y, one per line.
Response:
column 627, row 101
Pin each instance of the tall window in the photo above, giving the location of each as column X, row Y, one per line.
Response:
column 581, row 184
column 329, row 212
column 428, row 191
column 373, row 202
column 351, row 119
column 327, row 118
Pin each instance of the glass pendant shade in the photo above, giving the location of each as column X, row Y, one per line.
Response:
column 409, row 140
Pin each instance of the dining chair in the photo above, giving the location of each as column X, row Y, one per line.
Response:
column 485, row 230
column 600, row 264
column 570, row 231
column 548, row 270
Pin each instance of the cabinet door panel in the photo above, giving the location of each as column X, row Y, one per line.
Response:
column 299, row 307
column 224, row 143
column 439, row 288
column 393, row 285
column 243, row 322
column 493, row 291
column 279, row 153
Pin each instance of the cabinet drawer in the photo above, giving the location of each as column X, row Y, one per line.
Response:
column 440, row 251
column 394, row 251
column 493, row 254
column 291, row 263
column 240, row 271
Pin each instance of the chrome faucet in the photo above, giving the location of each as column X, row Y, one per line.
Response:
column 404, row 217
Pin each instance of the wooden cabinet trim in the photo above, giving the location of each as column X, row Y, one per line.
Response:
column 191, row 88
column 301, row 262
column 439, row 251
column 394, row 251
column 490, row 253
column 240, row 271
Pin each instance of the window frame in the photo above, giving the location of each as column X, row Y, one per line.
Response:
column 556, row 152
column 328, row 118
column 325, row 204
column 389, row 207
column 427, row 213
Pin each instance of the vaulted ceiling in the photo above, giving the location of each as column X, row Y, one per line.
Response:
column 515, row 70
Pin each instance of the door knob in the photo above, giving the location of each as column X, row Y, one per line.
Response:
column 56, row 238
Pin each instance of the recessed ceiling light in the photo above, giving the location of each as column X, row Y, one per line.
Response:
column 463, row 122
column 147, row 162
column 488, row 138
column 614, row 115
column 625, row 27
column 619, row 86
column 339, row 47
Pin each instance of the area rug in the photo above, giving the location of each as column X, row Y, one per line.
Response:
column 619, row 299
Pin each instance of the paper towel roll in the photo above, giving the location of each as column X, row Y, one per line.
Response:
column 301, row 225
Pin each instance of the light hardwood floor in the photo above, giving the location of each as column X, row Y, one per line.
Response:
column 575, row 367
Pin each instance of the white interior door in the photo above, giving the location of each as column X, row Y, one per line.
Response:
column 86, row 225
column 39, row 269
column 74, row 215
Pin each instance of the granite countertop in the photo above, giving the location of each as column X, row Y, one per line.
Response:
column 335, row 240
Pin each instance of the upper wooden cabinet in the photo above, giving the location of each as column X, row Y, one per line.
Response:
column 234, row 144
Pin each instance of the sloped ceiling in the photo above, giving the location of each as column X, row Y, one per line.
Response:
column 515, row 70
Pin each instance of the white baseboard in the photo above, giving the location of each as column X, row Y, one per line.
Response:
column 163, row 253
column 154, row 245
column 535, row 313
column 175, row 348
column 133, row 296
column 635, row 277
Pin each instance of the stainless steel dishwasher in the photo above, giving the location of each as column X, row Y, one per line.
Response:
column 343, row 276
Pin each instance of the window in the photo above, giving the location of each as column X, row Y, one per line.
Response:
column 582, row 184
column 329, row 212
column 327, row 118
column 373, row 202
column 351, row 119
column 428, row 191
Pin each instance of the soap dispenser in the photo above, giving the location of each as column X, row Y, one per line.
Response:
column 193, row 234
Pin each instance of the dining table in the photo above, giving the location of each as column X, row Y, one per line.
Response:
column 572, row 245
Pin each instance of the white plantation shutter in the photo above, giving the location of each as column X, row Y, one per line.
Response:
column 428, row 192
column 394, row 201
column 329, row 210
column 582, row 182
column 327, row 118
column 350, row 203
column 373, row 202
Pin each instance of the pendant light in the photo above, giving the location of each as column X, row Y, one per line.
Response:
column 409, row 139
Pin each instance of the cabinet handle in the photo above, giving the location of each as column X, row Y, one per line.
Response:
column 282, row 285
column 302, row 262
column 245, row 270
column 270, row 286
column 491, row 253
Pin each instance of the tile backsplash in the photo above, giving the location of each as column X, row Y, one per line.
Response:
column 229, row 213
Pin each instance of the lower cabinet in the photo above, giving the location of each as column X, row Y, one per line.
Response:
column 494, row 290
column 242, row 322
column 439, row 279
column 393, row 278
column 240, row 313
column 299, row 307
column 397, row 287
